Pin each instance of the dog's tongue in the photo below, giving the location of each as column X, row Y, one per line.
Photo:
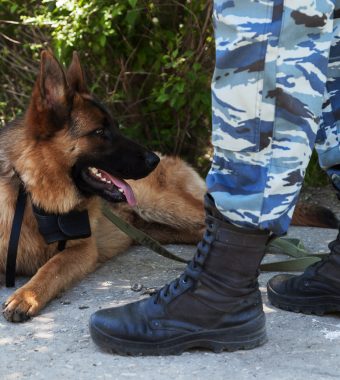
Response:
column 129, row 195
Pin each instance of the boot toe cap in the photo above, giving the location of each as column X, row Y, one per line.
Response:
column 118, row 322
column 130, row 322
column 106, row 323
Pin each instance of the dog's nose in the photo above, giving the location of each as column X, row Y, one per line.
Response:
column 151, row 160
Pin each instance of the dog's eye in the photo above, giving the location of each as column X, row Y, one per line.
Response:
column 99, row 132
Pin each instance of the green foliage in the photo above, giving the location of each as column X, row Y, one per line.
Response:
column 315, row 176
column 150, row 61
column 19, row 54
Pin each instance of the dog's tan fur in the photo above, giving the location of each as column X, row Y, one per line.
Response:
column 169, row 201
column 168, row 208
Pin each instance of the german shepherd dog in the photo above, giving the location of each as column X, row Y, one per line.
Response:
column 68, row 153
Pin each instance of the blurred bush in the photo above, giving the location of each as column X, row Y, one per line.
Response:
column 150, row 61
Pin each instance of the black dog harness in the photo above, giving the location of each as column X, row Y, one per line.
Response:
column 53, row 227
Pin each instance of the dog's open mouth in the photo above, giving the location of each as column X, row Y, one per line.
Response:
column 115, row 188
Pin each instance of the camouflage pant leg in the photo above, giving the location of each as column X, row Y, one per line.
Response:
column 328, row 136
column 267, row 94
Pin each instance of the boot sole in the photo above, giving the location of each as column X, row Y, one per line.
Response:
column 306, row 305
column 244, row 337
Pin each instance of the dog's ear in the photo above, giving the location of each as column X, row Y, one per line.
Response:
column 50, row 102
column 75, row 75
column 52, row 81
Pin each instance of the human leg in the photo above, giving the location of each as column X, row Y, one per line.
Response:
column 266, row 109
column 216, row 302
column 317, row 290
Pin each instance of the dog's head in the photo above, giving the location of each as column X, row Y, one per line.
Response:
column 74, row 130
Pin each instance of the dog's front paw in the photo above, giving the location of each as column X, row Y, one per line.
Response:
column 21, row 306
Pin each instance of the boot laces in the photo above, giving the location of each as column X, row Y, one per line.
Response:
column 191, row 273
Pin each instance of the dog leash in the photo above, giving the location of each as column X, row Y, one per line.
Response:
column 300, row 257
column 140, row 236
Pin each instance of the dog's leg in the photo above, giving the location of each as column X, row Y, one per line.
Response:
column 56, row 275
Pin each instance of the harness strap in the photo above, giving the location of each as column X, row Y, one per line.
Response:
column 62, row 227
column 53, row 227
column 62, row 245
column 14, row 237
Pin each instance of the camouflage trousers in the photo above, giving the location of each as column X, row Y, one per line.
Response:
column 275, row 95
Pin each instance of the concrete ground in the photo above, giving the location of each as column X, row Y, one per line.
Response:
column 57, row 345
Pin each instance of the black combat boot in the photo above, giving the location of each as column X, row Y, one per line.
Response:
column 316, row 291
column 215, row 303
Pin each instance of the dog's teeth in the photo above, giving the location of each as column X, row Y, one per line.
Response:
column 93, row 170
column 120, row 190
column 99, row 175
